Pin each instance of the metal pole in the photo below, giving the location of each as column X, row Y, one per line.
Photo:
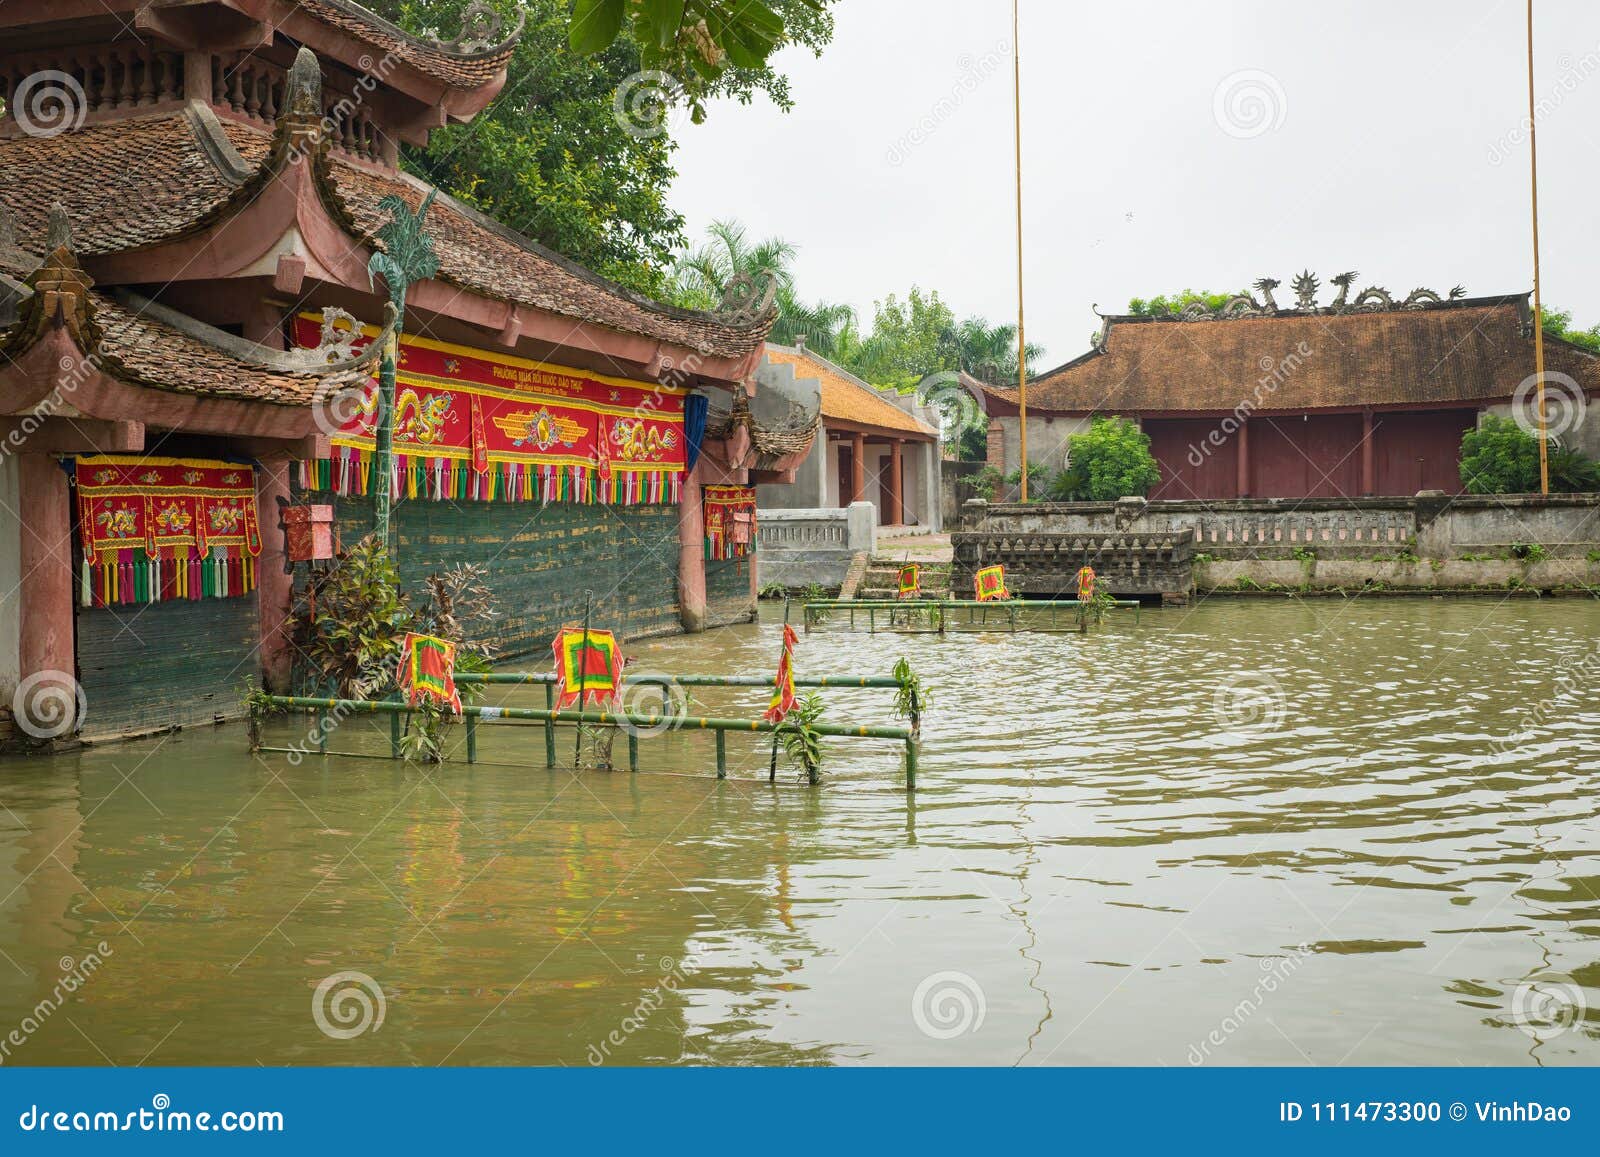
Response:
column 1022, row 343
column 1538, row 308
column 583, row 668
column 722, row 755
column 549, row 726
column 472, row 739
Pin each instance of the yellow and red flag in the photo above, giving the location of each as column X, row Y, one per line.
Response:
column 1086, row 584
column 589, row 662
column 910, row 581
column 783, row 696
column 427, row 671
column 990, row 584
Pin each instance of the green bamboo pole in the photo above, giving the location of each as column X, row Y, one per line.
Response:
column 549, row 726
column 472, row 739
column 613, row 718
column 722, row 755
column 583, row 675
column 548, row 679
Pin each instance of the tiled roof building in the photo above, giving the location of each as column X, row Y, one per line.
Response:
column 876, row 446
column 1336, row 401
column 216, row 174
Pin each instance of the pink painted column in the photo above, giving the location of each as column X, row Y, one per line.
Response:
column 691, row 552
column 274, row 587
column 45, row 598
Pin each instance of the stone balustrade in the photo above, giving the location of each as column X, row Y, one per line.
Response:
column 812, row 545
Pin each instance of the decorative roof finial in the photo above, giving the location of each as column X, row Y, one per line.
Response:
column 1305, row 289
column 58, row 230
column 481, row 29
column 303, row 92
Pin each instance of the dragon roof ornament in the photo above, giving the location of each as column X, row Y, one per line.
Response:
column 481, row 29
column 1373, row 299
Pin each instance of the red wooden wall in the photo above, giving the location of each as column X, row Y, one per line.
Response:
column 1311, row 456
column 1420, row 449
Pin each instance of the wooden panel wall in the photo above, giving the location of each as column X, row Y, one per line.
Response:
column 541, row 559
column 155, row 666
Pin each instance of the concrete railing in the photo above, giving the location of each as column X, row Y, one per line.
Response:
column 1429, row 525
column 800, row 547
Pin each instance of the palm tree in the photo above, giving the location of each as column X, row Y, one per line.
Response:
column 988, row 352
column 701, row 276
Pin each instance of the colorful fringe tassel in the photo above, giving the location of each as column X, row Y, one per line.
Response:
column 132, row 576
column 349, row 472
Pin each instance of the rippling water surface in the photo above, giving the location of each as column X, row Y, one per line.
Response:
column 1246, row 833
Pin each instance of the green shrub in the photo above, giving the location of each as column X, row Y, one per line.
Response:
column 1110, row 460
column 1500, row 457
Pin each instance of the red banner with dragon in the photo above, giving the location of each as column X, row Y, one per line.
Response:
column 472, row 425
column 154, row 529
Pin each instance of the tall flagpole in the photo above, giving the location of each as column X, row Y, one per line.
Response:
column 1022, row 344
column 1538, row 308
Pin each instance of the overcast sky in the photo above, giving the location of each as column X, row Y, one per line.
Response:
column 1168, row 144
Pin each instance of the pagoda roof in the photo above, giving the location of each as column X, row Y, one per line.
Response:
column 136, row 341
column 135, row 184
column 469, row 61
column 1444, row 352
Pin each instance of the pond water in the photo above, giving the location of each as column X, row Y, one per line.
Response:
column 1248, row 832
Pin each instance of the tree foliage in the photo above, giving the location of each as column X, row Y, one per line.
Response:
column 707, row 46
column 1500, row 457
column 701, row 276
column 552, row 158
column 1110, row 460
column 1165, row 303
column 1558, row 323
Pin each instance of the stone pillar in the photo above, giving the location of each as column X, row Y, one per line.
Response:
column 691, row 552
column 45, row 597
column 858, row 468
column 274, row 585
column 1242, row 448
column 1369, row 475
column 895, row 512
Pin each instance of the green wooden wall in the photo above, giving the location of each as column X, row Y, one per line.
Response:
column 728, row 598
column 156, row 666
column 541, row 559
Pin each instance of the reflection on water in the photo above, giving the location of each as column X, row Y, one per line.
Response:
column 1252, row 832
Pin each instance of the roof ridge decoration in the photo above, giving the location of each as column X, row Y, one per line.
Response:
column 1373, row 299
column 479, row 36
column 481, row 26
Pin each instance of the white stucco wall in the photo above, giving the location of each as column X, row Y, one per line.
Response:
column 10, row 578
column 1047, row 439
